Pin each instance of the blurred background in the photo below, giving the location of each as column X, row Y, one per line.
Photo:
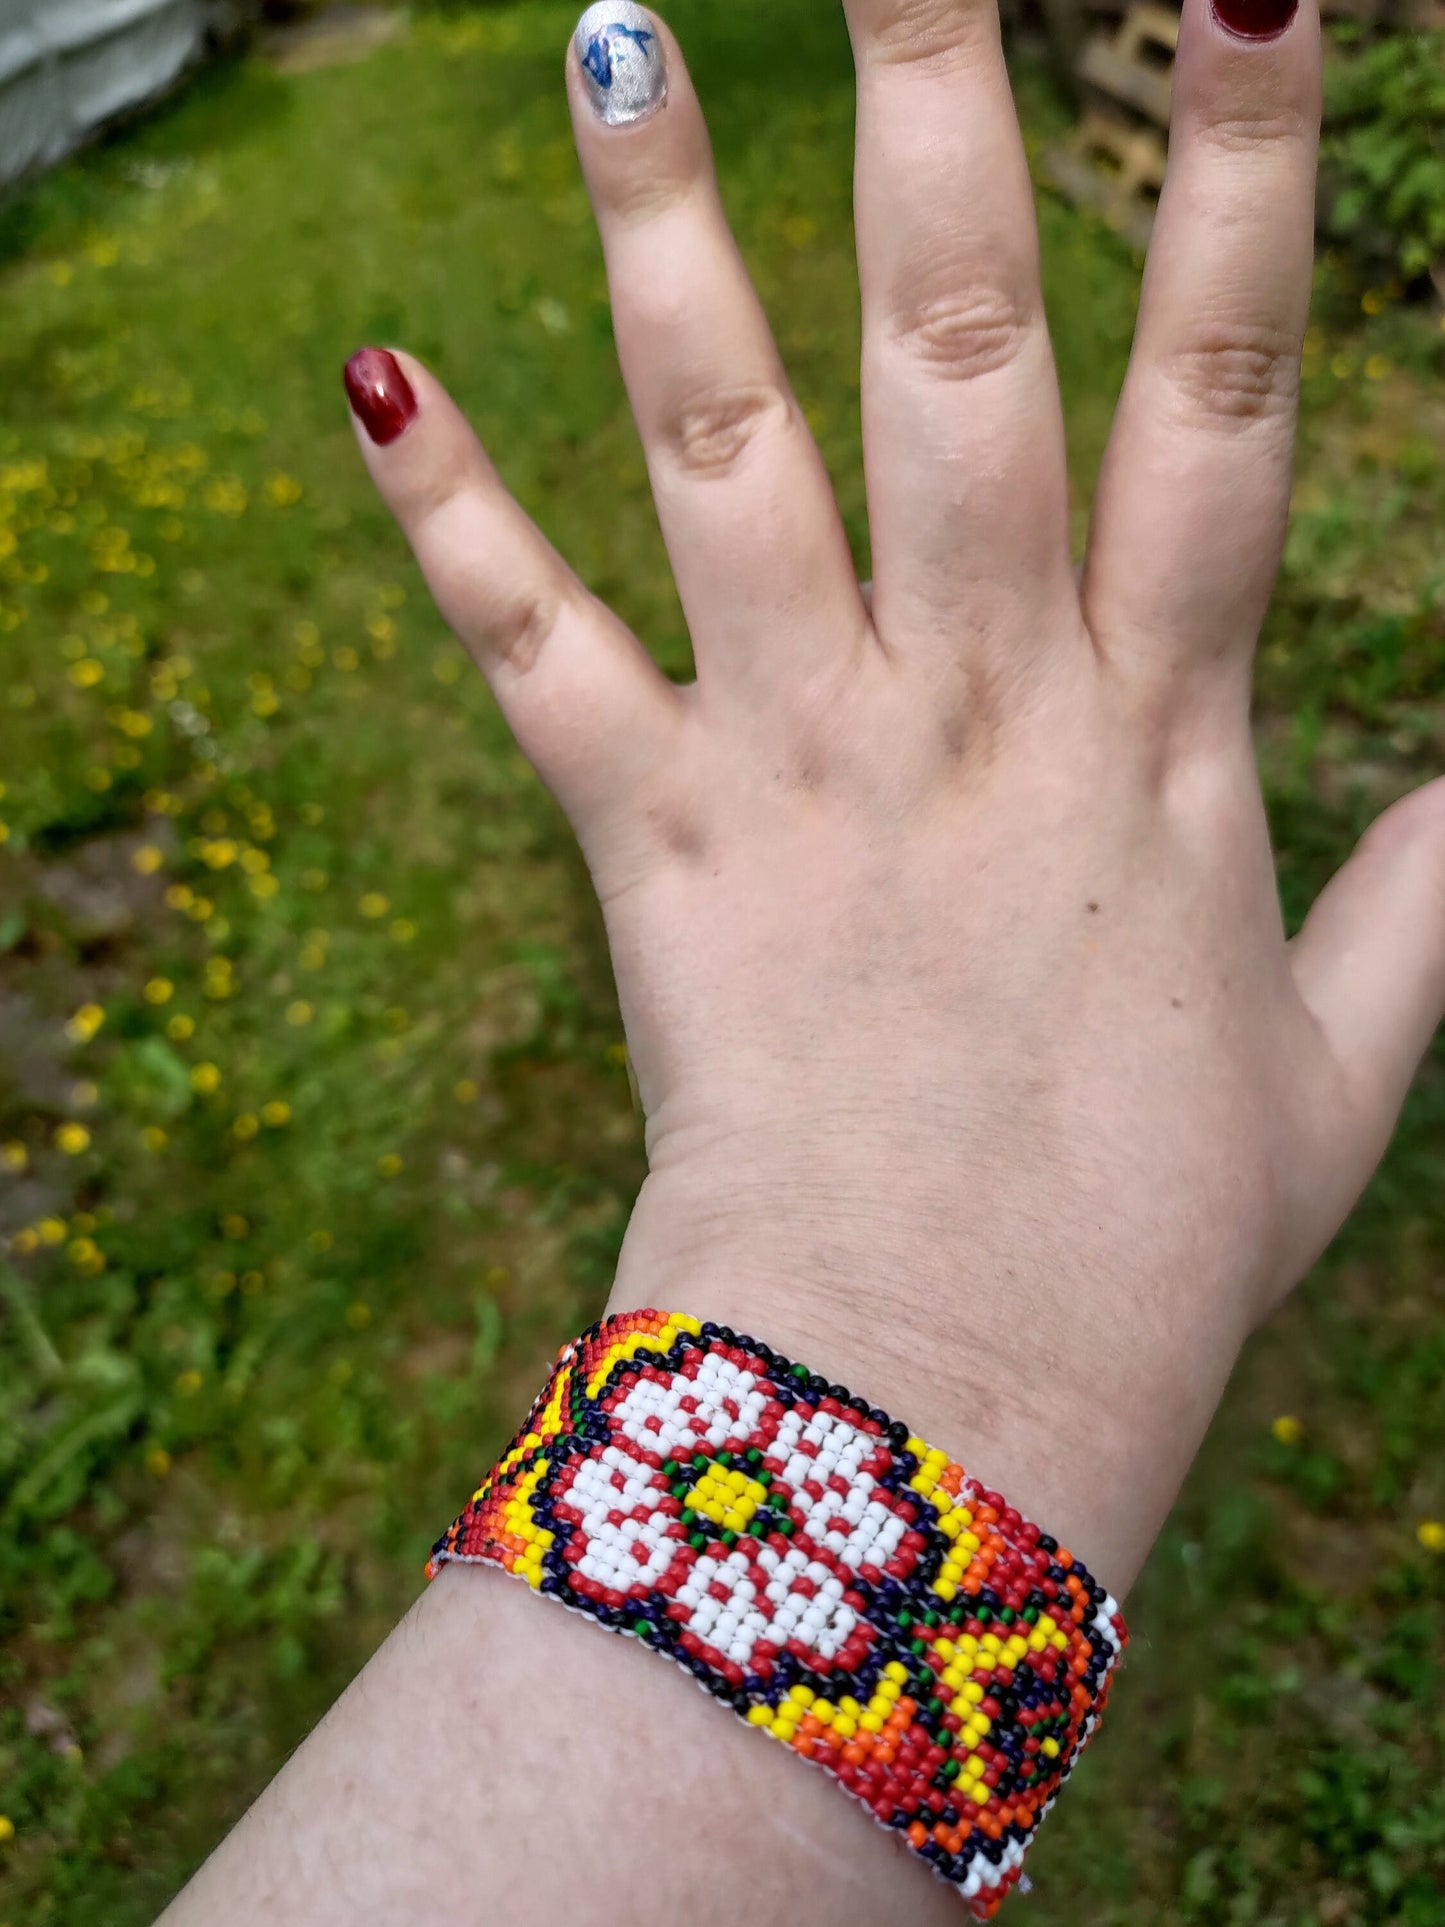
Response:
column 315, row 1125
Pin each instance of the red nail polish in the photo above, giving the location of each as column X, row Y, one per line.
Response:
column 380, row 394
column 1254, row 19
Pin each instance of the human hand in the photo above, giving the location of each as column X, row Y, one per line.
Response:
column 976, row 1065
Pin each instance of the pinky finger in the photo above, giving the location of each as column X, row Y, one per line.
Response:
column 589, row 708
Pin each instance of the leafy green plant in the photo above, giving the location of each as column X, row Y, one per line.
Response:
column 1384, row 149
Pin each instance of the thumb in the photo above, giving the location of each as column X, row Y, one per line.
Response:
column 1370, row 960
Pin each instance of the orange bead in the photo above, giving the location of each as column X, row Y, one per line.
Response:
column 917, row 1834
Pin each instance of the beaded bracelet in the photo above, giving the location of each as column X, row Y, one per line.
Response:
column 840, row 1584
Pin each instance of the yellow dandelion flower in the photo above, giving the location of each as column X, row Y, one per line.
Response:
column 299, row 1013
column 276, row 1113
column 389, row 1164
column 346, row 657
column 51, row 1231
column 246, row 1126
column 1431, row 1534
column 159, row 990
column 13, row 1156
column 265, row 704
column 147, row 860
column 180, row 896
column 252, row 1282
column 86, row 1255
column 446, row 669
column 263, row 888
column 255, row 862
column 381, row 629
column 1287, row 1430
column 4, row 832
column 189, row 1382
column 1377, row 367
column 205, row 1078
column 7, row 1825
column 402, row 930
column 86, row 673
column 374, row 904
column 199, row 909
column 24, row 1242
column 180, row 1027
column 358, row 1316
column 312, row 814
column 98, row 780
column 282, row 490
column 223, row 1283
column 153, row 1138
column 72, row 1139
column 158, row 1461
column 234, row 1226
column 314, row 881
column 85, row 1023
column 466, row 1090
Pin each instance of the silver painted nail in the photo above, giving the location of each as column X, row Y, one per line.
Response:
column 621, row 56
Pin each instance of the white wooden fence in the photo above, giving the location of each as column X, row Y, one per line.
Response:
column 67, row 66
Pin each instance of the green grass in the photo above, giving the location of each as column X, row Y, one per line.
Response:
column 263, row 1321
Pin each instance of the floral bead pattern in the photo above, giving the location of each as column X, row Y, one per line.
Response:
column 837, row 1582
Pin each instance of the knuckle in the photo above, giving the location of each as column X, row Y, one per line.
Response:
column 1256, row 133
column 1231, row 378
column 709, row 435
column 928, row 34
column 518, row 627
column 961, row 336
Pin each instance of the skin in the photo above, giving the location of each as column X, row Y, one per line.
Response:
column 977, row 1068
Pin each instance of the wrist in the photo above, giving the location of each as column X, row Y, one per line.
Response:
column 1083, row 1406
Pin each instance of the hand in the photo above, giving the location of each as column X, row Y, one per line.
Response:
column 977, row 1068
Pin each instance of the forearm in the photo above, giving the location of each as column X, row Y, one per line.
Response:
column 501, row 1759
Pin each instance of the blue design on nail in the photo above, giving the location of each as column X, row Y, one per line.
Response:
column 598, row 57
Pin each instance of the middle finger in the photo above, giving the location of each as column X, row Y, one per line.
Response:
column 962, row 429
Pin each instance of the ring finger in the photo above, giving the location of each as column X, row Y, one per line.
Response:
column 747, row 511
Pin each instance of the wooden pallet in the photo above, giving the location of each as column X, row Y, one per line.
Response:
column 1114, row 168
column 1123, row 70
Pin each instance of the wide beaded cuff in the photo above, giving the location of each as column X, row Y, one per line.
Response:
column 843, row 1586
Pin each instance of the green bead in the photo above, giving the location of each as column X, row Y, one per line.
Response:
column 1006, row 1614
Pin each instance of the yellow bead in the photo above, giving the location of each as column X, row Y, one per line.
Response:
column 803, row 1695
column 870, row 1722
column 1051, row 1747
column 945, row 1588
column 849, row 1706
column 897, row 1671
column 760, row 1716
column 844, row 1725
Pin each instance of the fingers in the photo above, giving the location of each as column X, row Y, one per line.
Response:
column 587, row 705
column 963, row 437
column 747, row 512
column 1370, row 962
column 1190, row 512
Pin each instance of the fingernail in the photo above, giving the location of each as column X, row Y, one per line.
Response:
column 621, row 56
column 1254, row 19
column 380, row 394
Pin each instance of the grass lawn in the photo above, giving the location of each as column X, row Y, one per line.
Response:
column 315, row 1130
